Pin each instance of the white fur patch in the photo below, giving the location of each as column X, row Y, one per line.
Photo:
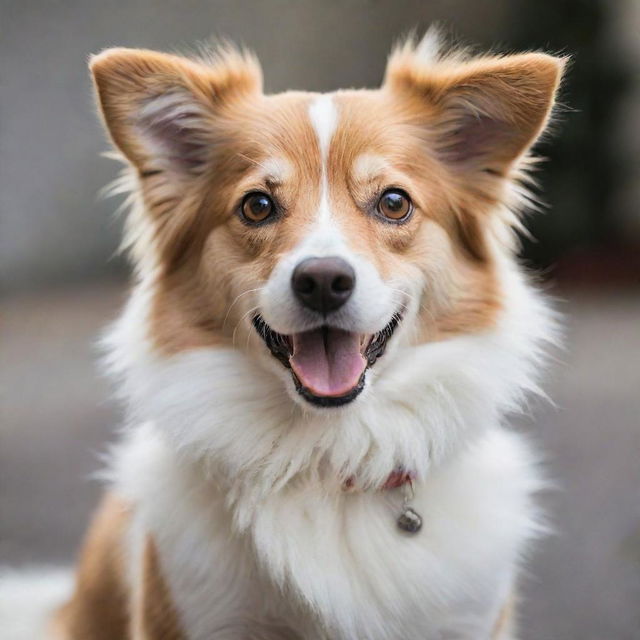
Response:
column 368, row 310
column 324, row 118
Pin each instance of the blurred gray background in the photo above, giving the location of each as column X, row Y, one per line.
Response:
column 61, row 280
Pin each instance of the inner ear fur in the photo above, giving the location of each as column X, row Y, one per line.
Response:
column 159, row 109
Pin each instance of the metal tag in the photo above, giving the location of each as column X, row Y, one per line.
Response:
column 409, row 519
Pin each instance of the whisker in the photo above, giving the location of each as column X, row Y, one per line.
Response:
column 233, row 335
column 420, row 305
column 244, row 293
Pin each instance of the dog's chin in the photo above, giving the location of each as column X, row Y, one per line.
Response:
column 328, row 366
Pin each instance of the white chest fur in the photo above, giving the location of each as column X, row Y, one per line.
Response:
column 339, row 563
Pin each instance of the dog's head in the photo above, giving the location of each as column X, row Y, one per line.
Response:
column 316, row 230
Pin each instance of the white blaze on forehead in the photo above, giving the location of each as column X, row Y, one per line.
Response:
column 324, row 118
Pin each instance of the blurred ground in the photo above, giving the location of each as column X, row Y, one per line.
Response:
column 583, row 583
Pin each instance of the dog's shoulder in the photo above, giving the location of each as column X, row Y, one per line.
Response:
column 117, row 595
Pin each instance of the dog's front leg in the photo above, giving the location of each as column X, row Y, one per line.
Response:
column 153, row 615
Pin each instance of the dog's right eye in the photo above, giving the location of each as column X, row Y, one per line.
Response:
column 257, row 207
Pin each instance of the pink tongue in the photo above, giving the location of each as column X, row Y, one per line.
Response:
column 327, row 362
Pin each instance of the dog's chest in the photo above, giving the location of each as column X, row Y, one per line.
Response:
column 341, row 566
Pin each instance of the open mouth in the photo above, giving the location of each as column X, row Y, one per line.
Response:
column 328, row 365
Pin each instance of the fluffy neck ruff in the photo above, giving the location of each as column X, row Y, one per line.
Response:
column 218, row 408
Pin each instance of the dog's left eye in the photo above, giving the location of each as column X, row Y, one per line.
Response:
column 395, row 204
column 257, row 207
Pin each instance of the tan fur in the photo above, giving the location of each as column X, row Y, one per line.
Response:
column 126, row 78
column 154, row 617
column 105, row 604
column 100, row 606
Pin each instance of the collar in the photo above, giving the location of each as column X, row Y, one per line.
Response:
column 396, row 479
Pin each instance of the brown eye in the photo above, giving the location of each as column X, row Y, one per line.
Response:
column 395, row 204
column 257, row 207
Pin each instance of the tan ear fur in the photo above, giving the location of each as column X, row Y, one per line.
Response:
column 159, row 109
column 484, row 113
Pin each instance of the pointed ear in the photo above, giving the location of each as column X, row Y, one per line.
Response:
column 160, row 109
column 483, row 114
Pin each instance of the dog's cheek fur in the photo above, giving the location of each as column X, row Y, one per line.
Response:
column 208, row 264
column 444, row 258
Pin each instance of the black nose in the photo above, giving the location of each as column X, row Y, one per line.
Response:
column 323, row 284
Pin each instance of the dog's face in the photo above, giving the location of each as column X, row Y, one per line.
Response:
column 317, row 231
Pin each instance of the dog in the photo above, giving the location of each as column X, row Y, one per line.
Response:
column 327, row 331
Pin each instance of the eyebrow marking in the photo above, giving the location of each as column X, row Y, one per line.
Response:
column 368, row 166
column 274, row 170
